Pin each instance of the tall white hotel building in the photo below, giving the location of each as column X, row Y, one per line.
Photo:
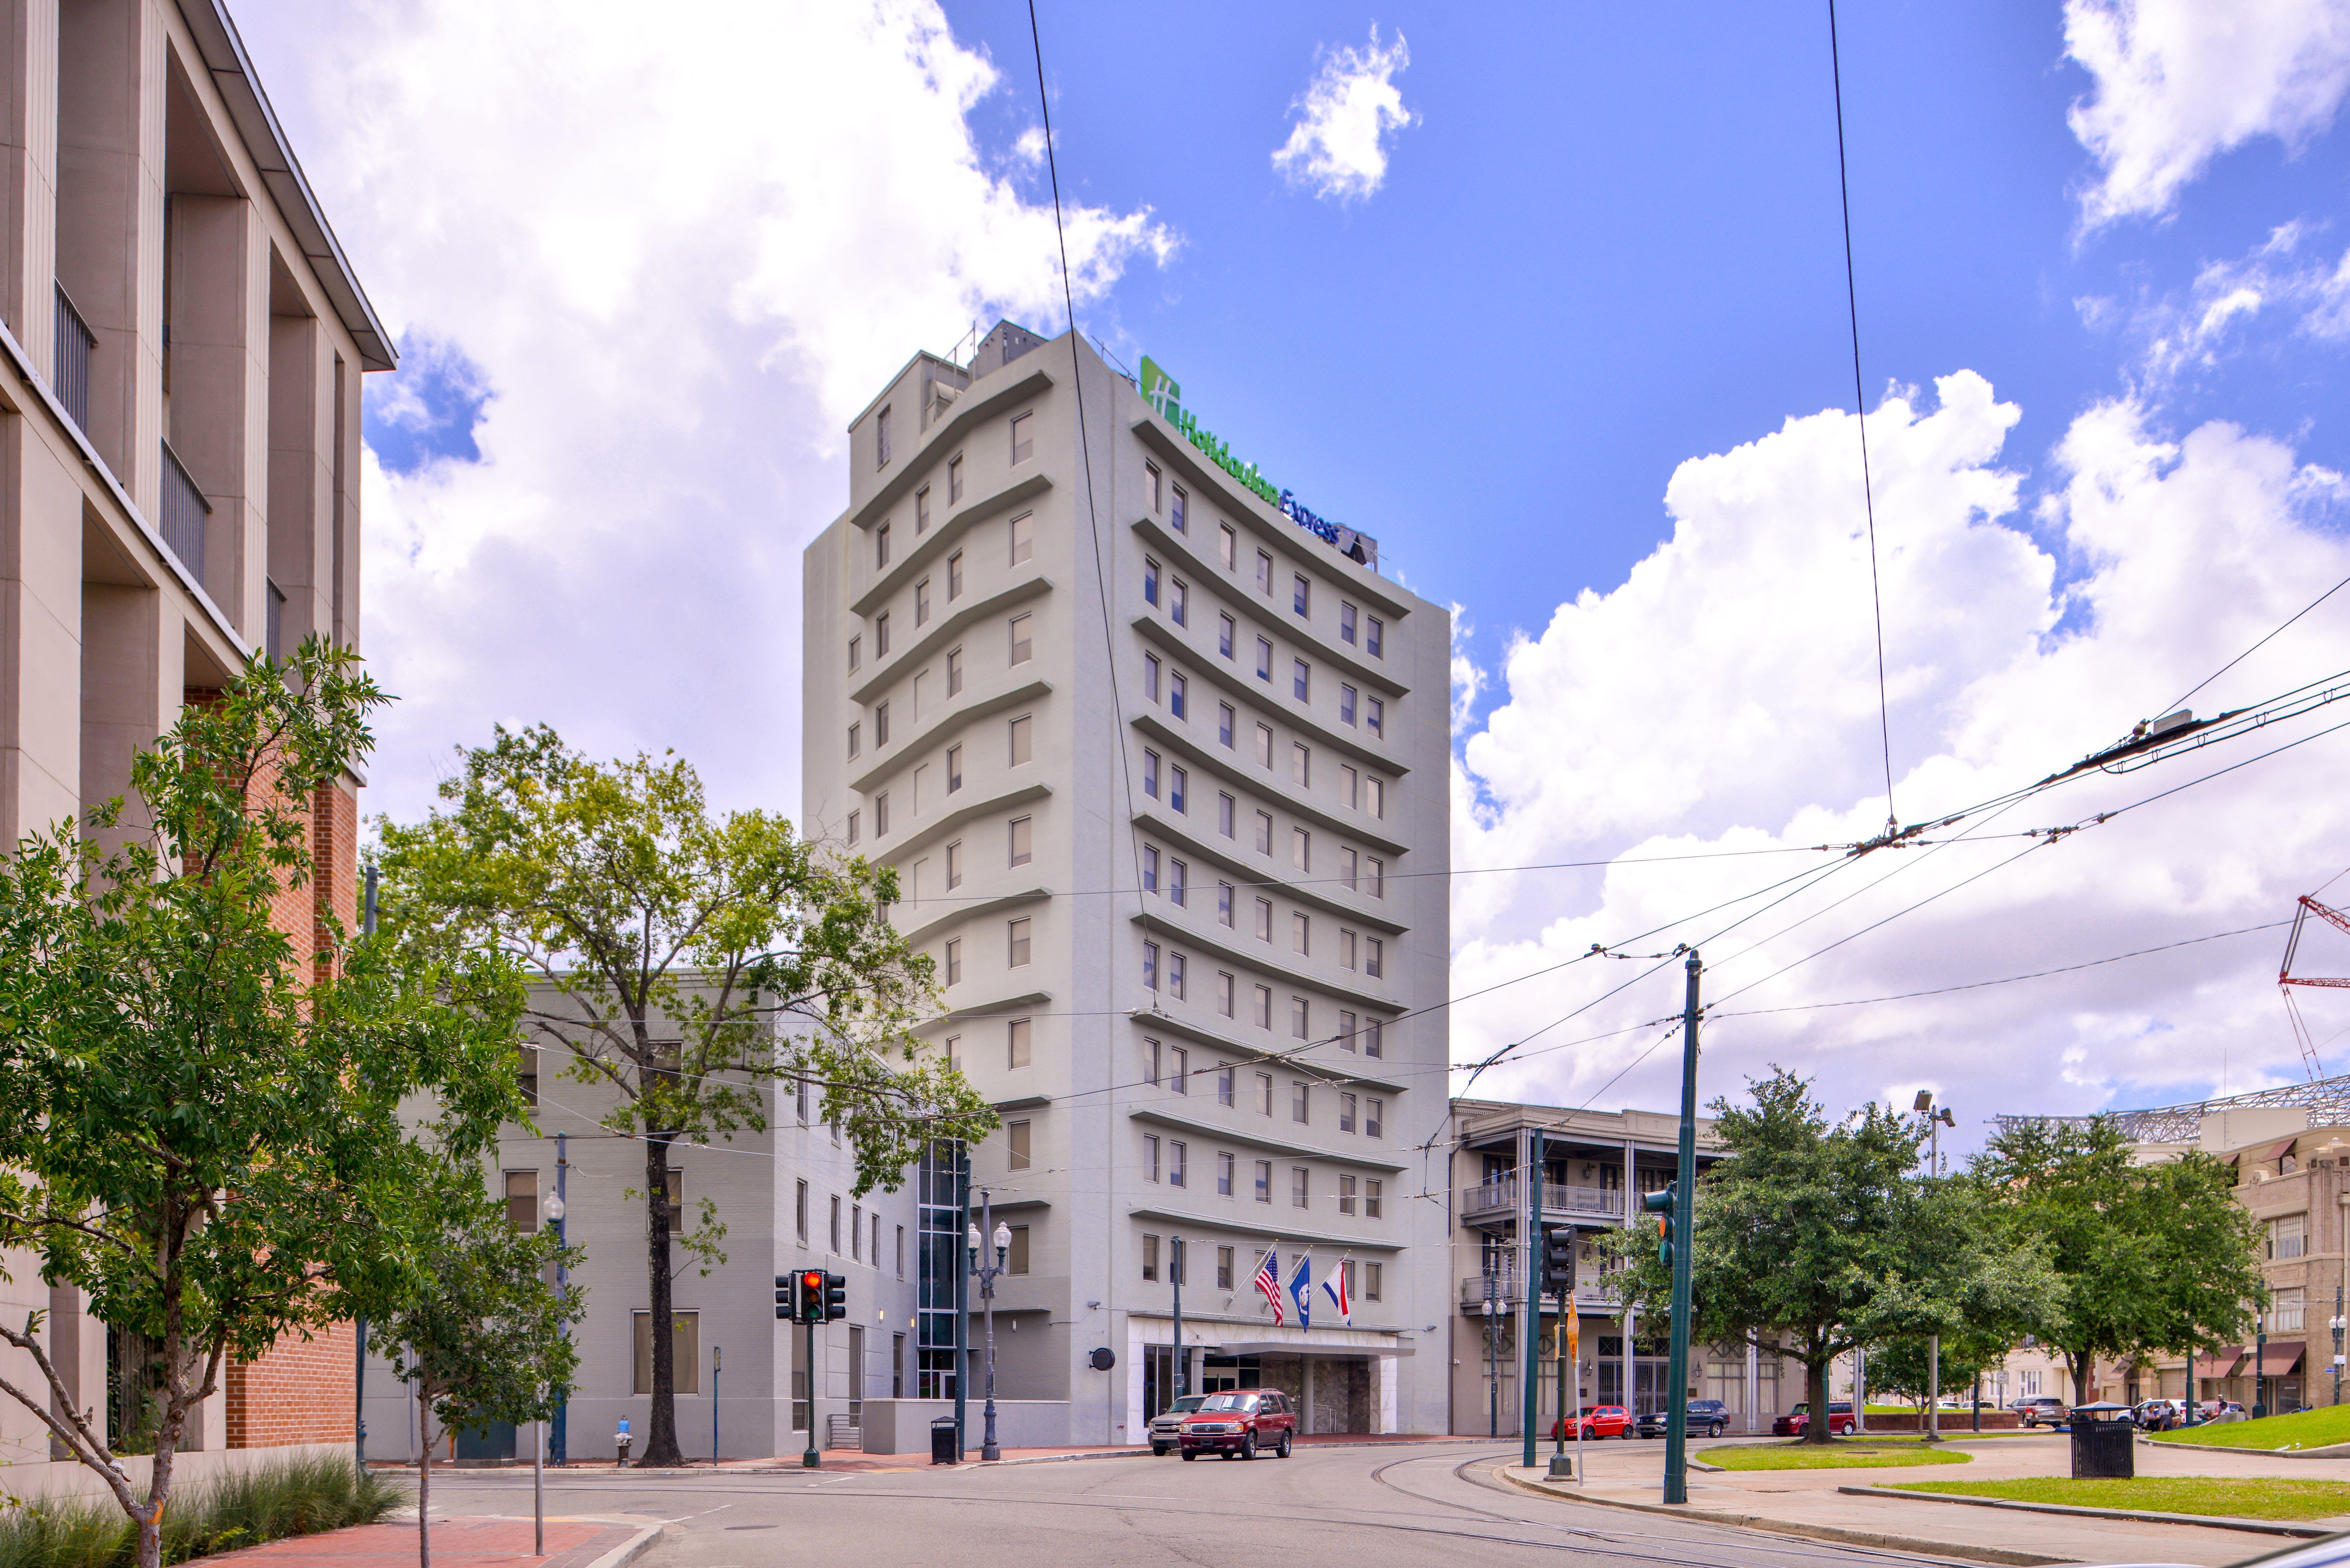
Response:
column 1164, row 781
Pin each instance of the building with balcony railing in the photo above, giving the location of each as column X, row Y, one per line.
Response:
column 1596, row 1167
column 180, row 346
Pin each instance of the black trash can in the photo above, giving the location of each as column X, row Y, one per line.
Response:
column 942, row 1440
column 2104, row 1442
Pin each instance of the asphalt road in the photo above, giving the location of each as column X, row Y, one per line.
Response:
column 1321, row 1508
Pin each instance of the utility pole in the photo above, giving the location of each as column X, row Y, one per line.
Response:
column 1530, row 1332
column 1684, row 1206
column 359, row 1381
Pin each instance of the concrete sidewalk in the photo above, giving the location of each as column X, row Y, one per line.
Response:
column 1811, row 1504
column 465, row 1543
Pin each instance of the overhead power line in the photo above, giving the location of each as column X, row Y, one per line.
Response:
column 1860, row 417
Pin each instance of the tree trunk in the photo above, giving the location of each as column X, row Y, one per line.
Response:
column 2081, row 1366
column 423, row 1479
column 1816, row 1425
column 662, row 1451
column 148, row 1552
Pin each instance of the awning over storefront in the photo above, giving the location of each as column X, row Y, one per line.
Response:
column 2276, row 1359
column 2220, row 1363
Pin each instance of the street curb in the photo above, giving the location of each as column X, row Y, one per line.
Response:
column 629, row 1551
column 1811, row 1532
column 2142, row 1516
column 2330, row 1452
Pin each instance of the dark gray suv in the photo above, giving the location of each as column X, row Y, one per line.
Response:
column 1706, row 1418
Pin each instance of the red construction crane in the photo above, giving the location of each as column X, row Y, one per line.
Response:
column 2286, row 978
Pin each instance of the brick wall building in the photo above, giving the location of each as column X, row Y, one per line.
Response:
column 182, row 343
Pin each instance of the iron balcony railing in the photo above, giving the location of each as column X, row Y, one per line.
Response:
column 70, row 376
column 184, row 513
column 1506, row 1290
column 1505, row 1196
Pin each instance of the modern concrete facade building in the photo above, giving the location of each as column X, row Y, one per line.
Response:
column 1160, row 765
column 785, row 1196
column 179, row 488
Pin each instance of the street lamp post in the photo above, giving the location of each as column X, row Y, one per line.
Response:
column 2336, row 1324
column 1175, row 1278
column 1936, row 1120
column 558, row 1440
column 985, row 1274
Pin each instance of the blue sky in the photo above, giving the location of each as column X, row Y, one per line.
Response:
column 1612, row 240
column 1550, row 299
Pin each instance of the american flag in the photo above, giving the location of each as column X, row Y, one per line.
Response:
column 1268, row 1282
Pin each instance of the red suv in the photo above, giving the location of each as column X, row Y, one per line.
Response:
column 1793, row 1423
column 1239, row 1422
column 1601, row 1421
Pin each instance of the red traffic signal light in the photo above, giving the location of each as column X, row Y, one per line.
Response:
column 811, row 1295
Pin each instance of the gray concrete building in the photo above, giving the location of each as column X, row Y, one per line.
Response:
column 1160, row 761
column 785, row 1196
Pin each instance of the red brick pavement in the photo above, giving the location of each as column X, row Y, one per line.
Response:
column 460, row 1542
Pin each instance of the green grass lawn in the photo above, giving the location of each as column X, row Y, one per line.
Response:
column 1843, row 1454
column 2306, row 1429
column 2242, row 1496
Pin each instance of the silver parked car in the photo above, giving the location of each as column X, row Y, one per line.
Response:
column 1163, row 1428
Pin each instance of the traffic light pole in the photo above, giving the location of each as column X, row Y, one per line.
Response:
column 1684, row 1202
column 811, row 1460
column 1529, row 1328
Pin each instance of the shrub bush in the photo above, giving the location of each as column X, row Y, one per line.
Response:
column 295, row 1497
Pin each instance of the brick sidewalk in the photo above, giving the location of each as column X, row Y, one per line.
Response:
column 470, row 1542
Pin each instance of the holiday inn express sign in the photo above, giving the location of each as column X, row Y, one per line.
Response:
column 1166, row 400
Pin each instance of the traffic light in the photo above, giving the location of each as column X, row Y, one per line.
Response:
column 1660, row 1204
column 808, row 1301
column 836, row 1297
column 787, row 1309
column 1558, row 1263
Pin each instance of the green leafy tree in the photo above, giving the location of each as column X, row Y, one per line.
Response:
column 1811, row 1238
column 681, row 961
column 478, row 1330
column 2156, row 1259
column 1906, row 1365
column 196, row 1129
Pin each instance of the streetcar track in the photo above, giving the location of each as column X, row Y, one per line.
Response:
column 1597, row 1543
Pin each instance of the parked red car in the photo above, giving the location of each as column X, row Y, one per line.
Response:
column 1793, row 1423
column 1599, row 1421
column 1239, row 1422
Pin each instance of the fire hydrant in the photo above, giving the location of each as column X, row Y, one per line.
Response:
column 620, row 1438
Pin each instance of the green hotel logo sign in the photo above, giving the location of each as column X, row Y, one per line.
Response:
column 1165, row 396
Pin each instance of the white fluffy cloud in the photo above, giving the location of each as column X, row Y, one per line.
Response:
column 1338, row 147
column 1723, row 699
column 634, row 234
column 2180, row 82
column 2279, row 282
